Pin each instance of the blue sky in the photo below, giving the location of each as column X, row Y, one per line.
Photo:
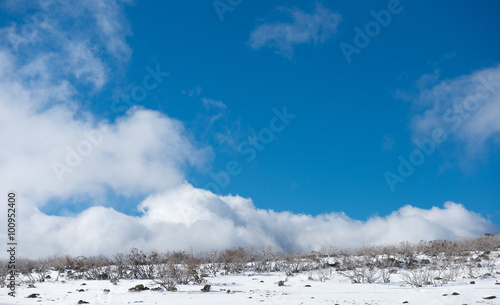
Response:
column 232, row 65
column 332, row 156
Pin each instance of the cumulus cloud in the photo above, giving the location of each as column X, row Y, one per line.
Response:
column 52, row 155
column 465, row 108
column 304, row 28
column 185, row 217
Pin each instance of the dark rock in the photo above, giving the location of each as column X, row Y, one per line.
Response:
column 206, row 288
column 31, row 286
column 83, row 302
column 491, row 297
column 307, row 285
column 455, row 293
column 281, row 283
column 33, row 295
column 472, row 282
column 138, row 288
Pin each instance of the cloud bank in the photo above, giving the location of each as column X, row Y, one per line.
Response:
column 185, row 217
column 304, row 28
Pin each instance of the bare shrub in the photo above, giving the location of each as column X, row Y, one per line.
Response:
column 142, row 264
column 26, row 267
column 347, row 259
column 435, row 262
column 490, row 262
column 329, row 251
column 406, row 252
column 452, row 272
column 385, row 274
column 59, row 264
column 120, row 270
column 211, row 264
column 295, row 262
column 96, row 267
column 193, row 271
column 262, row 259
column 41, row 269
column 321, row 275
column 3, row 272
column 363, row 274
column 233, row 260
column 418, row 277
column 471, row 268
column 77, row 264
column 169, row 284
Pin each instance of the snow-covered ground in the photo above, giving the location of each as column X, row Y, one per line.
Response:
column 259, row 289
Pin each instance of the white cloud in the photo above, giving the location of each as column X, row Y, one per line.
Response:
column 84, row 65
column 141, row 152
column 185, row 217
column 305, row 28
column 466, row 108
column 55, row 149
column 69, row 39
column 112, row 25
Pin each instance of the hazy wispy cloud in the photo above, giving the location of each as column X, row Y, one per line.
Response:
column 218, row 108
column 465, row 108
column 210, row 103
column 282, row 37
column 194, row 92
column 388, row 144
column 73, row 40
